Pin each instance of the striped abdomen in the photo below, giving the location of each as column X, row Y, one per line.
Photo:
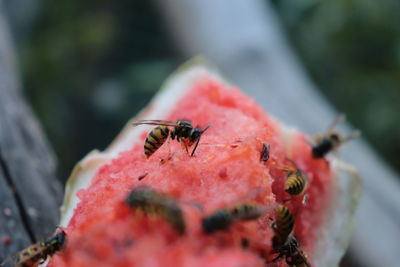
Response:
column 32, row 255
column 155, row 139
column 222, row 219
column 153, row 202
column 283, row 226
column 245, row 212
column 169, row 210
column 295, row 183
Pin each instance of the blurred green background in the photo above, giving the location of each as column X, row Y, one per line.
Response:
column 88, row 66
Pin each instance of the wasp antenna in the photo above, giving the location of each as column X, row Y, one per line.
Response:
column 339, row 118
column 208, row 126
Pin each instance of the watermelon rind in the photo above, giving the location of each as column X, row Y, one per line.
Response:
column 338, row 224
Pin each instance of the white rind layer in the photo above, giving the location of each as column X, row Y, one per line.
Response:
column 334, row 234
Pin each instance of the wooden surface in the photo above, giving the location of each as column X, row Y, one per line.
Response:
column 244, row 39
column 30, row 194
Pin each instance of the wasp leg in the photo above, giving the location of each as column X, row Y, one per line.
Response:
column 286, row 200
column 169, row 149
column 185, row 146
column 162, row 161
column 277, row 258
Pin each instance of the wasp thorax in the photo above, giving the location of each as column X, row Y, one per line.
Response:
column 182, row 130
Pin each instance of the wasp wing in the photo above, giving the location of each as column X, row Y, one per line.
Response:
column 339, row 118
column 154, row 122
column 286, row 168
column 352, row 135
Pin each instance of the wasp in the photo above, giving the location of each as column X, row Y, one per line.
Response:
column 292, row 253
column 182, row 130
column 222, row 219
column 283, row 226
column 331, row 140
column 38, row 253
column 153, row 202
column 284, row 242
column 296, row 180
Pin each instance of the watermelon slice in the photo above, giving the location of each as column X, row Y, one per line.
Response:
column 225, row 171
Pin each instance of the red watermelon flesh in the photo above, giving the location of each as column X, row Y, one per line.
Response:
column 225, row 171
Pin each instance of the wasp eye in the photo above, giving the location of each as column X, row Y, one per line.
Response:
column 196, row 133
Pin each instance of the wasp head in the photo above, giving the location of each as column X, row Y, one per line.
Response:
column 195, row 137
column 335, row 137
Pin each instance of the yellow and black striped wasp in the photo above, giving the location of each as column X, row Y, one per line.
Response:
column 153, row 202
column 182, row 130
column 324, row 143
column 292, row 253
column 284, row 242
column 222, row 219
column 39, row 252
column 296, row 180
column 282, row 226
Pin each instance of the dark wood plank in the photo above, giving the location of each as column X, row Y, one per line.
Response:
column 28, row 184
column 13, row 235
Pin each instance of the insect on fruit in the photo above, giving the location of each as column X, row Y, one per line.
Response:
column 153, row 202
column 322, row 144
column 182, row 130
column 222, row 219
column 283, row 226
column 292, row 253
column 296, row 180
column 284, row 242
column 38, row 253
